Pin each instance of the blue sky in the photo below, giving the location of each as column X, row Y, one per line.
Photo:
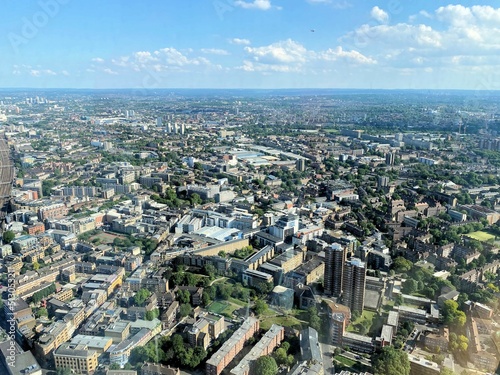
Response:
column 250, row 44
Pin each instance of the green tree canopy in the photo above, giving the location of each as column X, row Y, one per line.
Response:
column 260, row 307
column 392, row 361
column 452, row 315
column 402, row 265
column 265, row 365
column 141, row 296
column 185, row 309
column 8, row 236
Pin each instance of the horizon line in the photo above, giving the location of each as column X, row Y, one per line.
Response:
column 246, row 88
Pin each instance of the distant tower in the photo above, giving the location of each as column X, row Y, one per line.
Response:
column 354, row 281
column 6, row 177
column 159, row 121
column 335, row 256
column 382, row 182
column 300, row 164
column 389, row 158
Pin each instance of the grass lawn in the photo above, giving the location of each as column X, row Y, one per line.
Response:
column 106, row 238
column 217, row 307
column 344, row 360
column 481, row 236
column 285, row 321
column 366, row 316
column 229, row 310
column 223, row 308
column 388, row 305
column 300, row 314
column 237, row 302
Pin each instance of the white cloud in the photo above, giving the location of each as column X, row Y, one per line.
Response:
column 121, row 61
column 143, row 57
column 110, row 71
column 351, row 56
column 461, row 41
column 65, row 73
column 243, row 42
column 40, row 72
column 379, row 15
column 215, row 51
column 287, row 51
column 161, row 60
column 255, row 4
column 291, row 56
column 250, row 66
column 97, row 60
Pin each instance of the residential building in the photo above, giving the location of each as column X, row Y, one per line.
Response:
column 437, row 341
column 158, row 369
column 232, row 347
column 335, row 256
column 422, row 366
column 78, row 358
column 265, row 346
column 206, row 329
column 353, row 284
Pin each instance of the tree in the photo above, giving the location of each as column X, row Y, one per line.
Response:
column 410, row 286
column 453, row 316
column 152, row 314
column 285, row 345
column 183, row 296
column 314, row 319
column 402, row 265
column 141, row 296
column 195, row 199
column 282, row 358
column 206, row 300
column 8, row 236
column 265, row 365
column 42, row 311
column 458, row 343
column 210, row 271
column 392, row 361
column 36, row 265
column 138, row 355
column 224, row 291
column 114, row 366
column 260, row 307
column 185, row 310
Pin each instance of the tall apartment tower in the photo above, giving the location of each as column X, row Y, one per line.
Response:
column 335, row 256
column 389, row 158
column 6, row 177
column 353, row 284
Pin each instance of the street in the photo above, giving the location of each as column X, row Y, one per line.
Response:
column 327, row 351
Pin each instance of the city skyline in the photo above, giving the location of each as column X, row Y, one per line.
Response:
column 250, row 44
